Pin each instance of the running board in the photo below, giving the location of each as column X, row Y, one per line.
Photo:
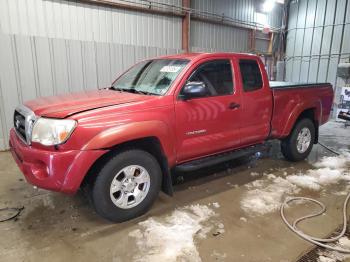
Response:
column 219, row 158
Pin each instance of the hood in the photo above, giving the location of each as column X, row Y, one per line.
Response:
column 62, row 106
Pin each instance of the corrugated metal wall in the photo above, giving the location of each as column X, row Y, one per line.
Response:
column 79, row 21
column 212, row 37
column 317, row 40
column 245, row 10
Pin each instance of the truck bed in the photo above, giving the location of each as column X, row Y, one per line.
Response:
column 289, row 85
column 290, row 99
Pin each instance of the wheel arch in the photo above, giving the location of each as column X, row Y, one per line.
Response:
column 310, row 113
column 149, row 144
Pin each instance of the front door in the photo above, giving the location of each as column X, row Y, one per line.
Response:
column 209, row 124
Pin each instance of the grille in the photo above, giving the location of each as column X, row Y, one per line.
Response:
column 19, row 123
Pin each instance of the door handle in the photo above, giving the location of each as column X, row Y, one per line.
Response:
column 233, row 105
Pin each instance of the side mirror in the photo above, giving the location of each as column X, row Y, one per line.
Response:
column 194, row 90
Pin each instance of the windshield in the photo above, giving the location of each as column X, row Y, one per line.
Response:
column 150, row 77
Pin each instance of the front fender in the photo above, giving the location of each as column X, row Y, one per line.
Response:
column 132, row 131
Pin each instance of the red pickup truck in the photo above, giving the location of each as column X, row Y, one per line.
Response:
column 181, row 112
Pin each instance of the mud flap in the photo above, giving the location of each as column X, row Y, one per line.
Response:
column 167, row 183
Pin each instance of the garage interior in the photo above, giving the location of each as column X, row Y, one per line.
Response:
column 228, row 212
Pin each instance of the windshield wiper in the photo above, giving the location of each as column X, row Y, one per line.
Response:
column 122, row 89
column 131, row 90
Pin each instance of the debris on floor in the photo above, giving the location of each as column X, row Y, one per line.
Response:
column 220, row 230
column 10, row 213
column 218, row 256
column 243, row 219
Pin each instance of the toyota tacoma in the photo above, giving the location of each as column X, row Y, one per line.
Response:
column 180, row 112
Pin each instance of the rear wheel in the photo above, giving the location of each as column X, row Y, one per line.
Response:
column 127, row 185
column 298, row 145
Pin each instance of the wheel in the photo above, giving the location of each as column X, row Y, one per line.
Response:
column 298, row 145
column 126, row 186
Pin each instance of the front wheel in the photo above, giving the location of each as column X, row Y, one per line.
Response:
column 298, row 145
column 127, row 185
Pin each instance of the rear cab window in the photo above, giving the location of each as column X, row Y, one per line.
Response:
column 216, row 75
column 251, row 75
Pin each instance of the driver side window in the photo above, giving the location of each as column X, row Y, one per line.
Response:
column 216, row 76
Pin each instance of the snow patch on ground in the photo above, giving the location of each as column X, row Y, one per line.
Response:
column 325, row 259
column 334, row 162
column 216, row 205
column 344, row 242
column 271, row 176
column 243, row 219
column 266, row 195
column 332, row 256
column 330, row 170
column 304, row 181
column 254, row 174
column 173, row 238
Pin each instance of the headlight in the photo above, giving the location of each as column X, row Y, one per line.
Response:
column 50, row 132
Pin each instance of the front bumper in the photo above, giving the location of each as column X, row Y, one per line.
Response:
column 61, row 171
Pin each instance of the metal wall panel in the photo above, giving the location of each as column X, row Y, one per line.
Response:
column 313, row 56
column 206, row 36
column 275, row 17
column 292, row 23
column 299, row 38
column 261, row 45
column 43, row 66
column 315, row 40
column 86, row 22
column 3, row 142
column 244, row 10
column 10, row 94
column 308, row 39
column 89, row 65
column 321, row 9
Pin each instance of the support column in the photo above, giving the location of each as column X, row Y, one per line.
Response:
column 252, row 39
column 186, row 27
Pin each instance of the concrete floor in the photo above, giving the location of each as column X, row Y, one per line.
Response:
column 55, row 227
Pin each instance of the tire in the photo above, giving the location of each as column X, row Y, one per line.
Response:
column 127, row 198
column 289, row 146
